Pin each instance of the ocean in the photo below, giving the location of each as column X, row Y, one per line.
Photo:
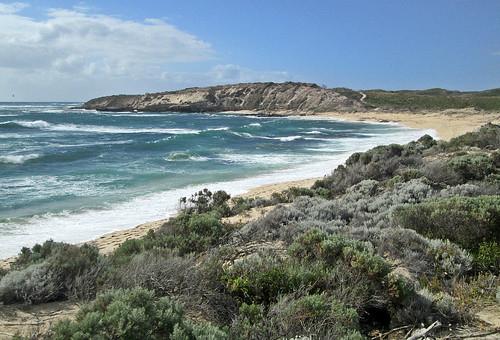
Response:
column 72, row 175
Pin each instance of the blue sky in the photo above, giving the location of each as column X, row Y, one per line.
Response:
column 73, row 50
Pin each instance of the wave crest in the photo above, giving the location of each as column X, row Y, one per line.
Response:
column 18, row 159
column 41, row 124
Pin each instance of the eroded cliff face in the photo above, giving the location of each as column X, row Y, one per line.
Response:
column 265, row 98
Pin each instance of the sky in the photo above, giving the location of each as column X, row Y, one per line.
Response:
column 73, row 50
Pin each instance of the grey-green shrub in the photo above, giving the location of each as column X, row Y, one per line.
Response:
column 34, row 284
column 467, row 221
column 133, row 314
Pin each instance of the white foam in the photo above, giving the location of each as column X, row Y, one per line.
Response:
column 288, row 138
column 282, row 139
column 18, row 159
column 314, row 132
column 253, row 125
column 41, row 124
column 224, row 128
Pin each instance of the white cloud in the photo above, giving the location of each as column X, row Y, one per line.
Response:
column 69, row 41
column 77, row 54
column 12, row 7
column 226, row 73
column 236, row 73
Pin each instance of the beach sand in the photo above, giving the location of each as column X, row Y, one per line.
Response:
column 447, row 124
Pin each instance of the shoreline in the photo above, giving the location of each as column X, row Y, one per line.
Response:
column 446, row 124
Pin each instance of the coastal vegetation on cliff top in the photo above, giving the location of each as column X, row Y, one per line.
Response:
column 398, row 236
column 271, row 98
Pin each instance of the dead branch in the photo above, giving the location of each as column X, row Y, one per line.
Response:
column 422, row 333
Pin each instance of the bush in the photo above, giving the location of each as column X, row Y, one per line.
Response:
column 186, row 233
column 421, row 256
column 380, row 163
column 53, row 271
column 133, row 314
column 34, row 284
column 472, row 167
column 193, row 232
column 467, row 221
column 181, row 278
column 487, row 257
column 242, row 204
column 261, row 279
column 488, row 136
column 205, row 201
column 315, row 245
column 439, row 171
column 316, row 315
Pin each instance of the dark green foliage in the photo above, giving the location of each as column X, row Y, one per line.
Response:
column 417, row 159
column 315, row 245
column 467, row 221
column 261, row 279
column 314, row 264
column 288, row 195
column 193, row 232
column 133, row 314
column 488, row 137
column 433, row 99
column 487, row 257
column 189, row 232
column 291, row 317
column 472, row 167
column 38, row 253
column 205, row 201
column 380, row 163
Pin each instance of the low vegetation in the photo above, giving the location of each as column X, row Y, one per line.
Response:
column 434, row 99
column 398, row 236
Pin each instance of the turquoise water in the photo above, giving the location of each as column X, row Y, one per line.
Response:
column 74, row 174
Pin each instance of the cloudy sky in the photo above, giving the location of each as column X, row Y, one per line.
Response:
column 73, row 50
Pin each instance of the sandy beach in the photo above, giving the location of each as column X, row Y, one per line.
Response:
column 447, row 124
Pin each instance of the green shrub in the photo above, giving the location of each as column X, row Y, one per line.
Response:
column 168, row 274
column 189, row 232
column 488, row 136
column 133, row 314
column 423, row 257
column 472, row 167
column 32, row 285
column 487, row 257
column 316, row 315
column 37, row 254
column 410, row 174
column 205, row 201
column 316, row 245
column 262, row 279
column 467, row 221
column 449, row 260
column 53, row 271
column 194, row 232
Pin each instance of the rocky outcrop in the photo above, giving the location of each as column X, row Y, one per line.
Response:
column 265, row 98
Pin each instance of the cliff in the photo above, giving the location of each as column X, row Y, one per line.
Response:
column 259, row 97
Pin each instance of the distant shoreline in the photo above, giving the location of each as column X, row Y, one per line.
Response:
column 446, row 124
